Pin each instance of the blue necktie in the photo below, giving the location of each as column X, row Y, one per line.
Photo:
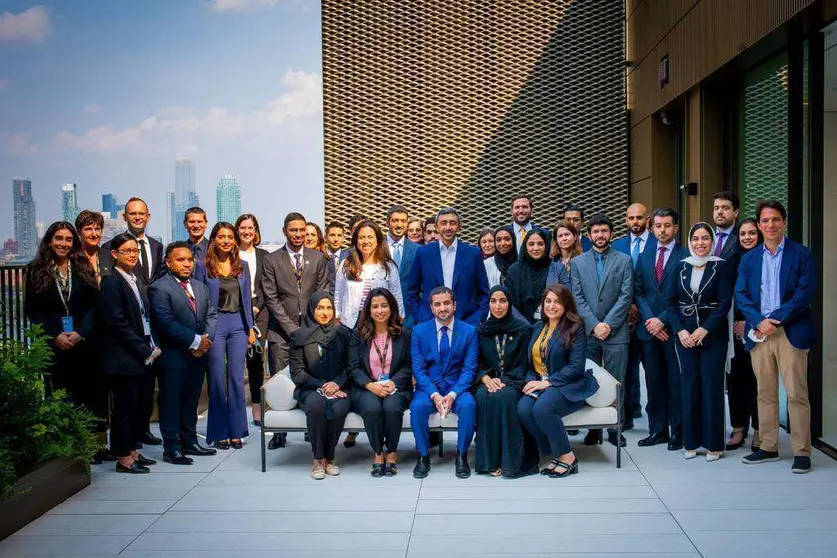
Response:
column 396, row 254
column 599, row 267
column 444, row 346
column 635, row 250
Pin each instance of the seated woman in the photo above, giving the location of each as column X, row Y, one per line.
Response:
column 534, row 270
column 503, row 447
column 320, row 369
column 379, row 359
column 559, row 381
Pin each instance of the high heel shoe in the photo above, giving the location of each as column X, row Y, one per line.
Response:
column 222, row 445
column 561, row 469
column 236, row 444
column 594, row 437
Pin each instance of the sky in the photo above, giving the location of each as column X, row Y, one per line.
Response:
column 108, row 94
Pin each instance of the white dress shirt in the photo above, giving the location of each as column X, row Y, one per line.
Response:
column 348, row 295
column 492, row 272
column 250, row 258
column 291, row 254
column 147, row 243
column 448, row 255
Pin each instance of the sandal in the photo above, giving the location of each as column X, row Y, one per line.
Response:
column 377, row 470
column 567, row 469
column 390, row 469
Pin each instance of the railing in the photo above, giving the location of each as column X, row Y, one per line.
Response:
column 12, row 320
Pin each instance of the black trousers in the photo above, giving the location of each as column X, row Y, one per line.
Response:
column 146, row 396
column 382, row 418
column 180, row 391
column 127, row 424
column 703, row 396
column 665, row 392
column 77, row 371
column 325, row 419
column 255, row 374
column 742, row 391
column 632, row 386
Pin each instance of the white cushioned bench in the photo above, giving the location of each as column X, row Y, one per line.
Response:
column 280, row 412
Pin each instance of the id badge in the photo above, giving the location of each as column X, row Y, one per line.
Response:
column 67, row 324
column 146, row 327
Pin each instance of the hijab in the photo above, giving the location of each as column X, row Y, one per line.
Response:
column 504, row 261
column 312, row 331
column 700, row 261
column 507, row 325
column 532, row 275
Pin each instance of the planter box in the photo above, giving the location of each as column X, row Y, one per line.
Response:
column 41, row 490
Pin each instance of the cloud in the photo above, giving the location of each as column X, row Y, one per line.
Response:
column 176, row 128
column 92, row 108
column 31, row 26
column 19, row 144
column 5, row 84
column 242, row 5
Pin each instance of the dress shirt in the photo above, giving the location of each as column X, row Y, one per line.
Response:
column 771, row 268
column 147, row 251
column 666, row 255
column 696, row 278
column 199, row 248
column 291, row 254
column 392, row 245
column 250, row 258
column 196, row 342
column 448, row 261
column 132, row 282
column 643, row 240
column 517, row 234
column 727, row 233
column 439, row 341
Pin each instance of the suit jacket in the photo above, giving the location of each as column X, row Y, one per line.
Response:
column 470, row 283
column 312, row 367
column 624, row 245
column 401, row 369
column 457, row 375
column 408, row 256
column 47, row 310
column 120, row 342
column 284, row 301
column 174, row 322
column 213, row 285
column 258, row 299
column 707, row 308
column 586, row 243
column 608, row 302
column 158, row 267
column 797, row 279
column 649, row 294
column 566, row 366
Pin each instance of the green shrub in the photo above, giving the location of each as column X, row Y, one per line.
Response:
column 34, row 427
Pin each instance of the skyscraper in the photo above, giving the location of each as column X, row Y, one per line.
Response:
column 228, row 199
column 184, row 196
column 109, row 204
column 171, row 216
column 24, row 214
column 69, row 202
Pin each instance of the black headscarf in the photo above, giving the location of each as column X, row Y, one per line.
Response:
column 530, row 280
column 504, row 261
column 312, row 331
column 507, row 325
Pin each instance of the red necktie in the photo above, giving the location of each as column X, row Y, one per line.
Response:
column 658, row 269
column 192, row 304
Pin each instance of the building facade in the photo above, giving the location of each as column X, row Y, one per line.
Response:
column 109, row 205
column 185, row 196
column 69, row 202
column 26, row 233
column 227, row 199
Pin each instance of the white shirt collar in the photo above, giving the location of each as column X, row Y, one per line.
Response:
column 643, row 236
column 518, row 227
column 452, row 248
column 439, row 325
column 399, row 242
column 291, row 250
column 727, row 232
column 128, row 276
column 668, row 246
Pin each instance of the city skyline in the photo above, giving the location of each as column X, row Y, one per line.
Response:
column 227, row 199
column 152, row 83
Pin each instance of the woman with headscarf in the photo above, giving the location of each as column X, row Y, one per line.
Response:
column 320, row 369
column 505, row 254
column 528, row 277
column 699, row 301
column 502, row 446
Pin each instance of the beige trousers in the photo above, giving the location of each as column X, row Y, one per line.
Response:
column 772, row 358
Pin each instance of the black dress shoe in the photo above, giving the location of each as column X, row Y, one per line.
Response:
column 236, row 444
column 144, row 460
column 176, row 458
column 675, row 444
column 151, row 439
column 390, row 469
column 628, row 426
column 197, row 449
column 611, row 437
column 636, row 414
column 594, row 437
column 277, row 441
column 136, row 468
column 377, row 470
column 422, row 468
column 463, row 470
column 653, row 440
column 102, row 455
column 572, row 432
column 222, row 445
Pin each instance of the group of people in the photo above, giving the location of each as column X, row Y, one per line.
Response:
column 415, row 318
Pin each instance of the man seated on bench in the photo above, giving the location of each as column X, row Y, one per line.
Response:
column 444, row 352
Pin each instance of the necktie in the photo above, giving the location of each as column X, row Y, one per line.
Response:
column 599, row 267
column 521, row 234
column 192, row 304
column 396, row 254
column 661, row 258
column 298, row 271
column 635, row 250
column 719, row 245
column 144, row 257
column 444, row 346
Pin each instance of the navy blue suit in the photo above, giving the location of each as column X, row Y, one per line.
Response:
column 227, row 359
column 662, row 374
column 702, row 367
column 470, row 283
column 586, row 243
column 408, row 256
column 182, row 379
column 434, row 376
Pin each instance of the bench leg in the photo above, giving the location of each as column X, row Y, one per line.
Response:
column 619, row 411
column 261, row 433
column 441, row 444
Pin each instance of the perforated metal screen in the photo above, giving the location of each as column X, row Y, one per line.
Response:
column 460, row 102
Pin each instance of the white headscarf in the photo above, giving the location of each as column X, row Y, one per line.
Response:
column 700, row 261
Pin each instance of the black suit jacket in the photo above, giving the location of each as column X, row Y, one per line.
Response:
column 707, row 308
column 401, row 370
column 122, row 347
column 259, row 299
column 144, row 279
column 45, row 308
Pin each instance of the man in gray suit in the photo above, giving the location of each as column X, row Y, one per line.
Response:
column 602, row 284
column 291, row 275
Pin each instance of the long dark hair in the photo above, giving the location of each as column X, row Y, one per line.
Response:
column 39, row 270
column 354, row 263
column 570, row 323
column 365, row 323
column 321, row 245
column 750, row 221
column 212, row 258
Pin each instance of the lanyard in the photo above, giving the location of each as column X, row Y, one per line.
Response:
column 65, row 286
column 382, row 356
column 501, row 351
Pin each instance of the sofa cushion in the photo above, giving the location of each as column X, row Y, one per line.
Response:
column 606, row 394
column 279, row 393
column 591, row 416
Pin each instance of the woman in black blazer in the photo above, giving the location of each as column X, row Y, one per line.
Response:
column 699, row 301
column 320, row 369
column 126, row 351
column 379, row 358
column 250, row 237
column 59, row 294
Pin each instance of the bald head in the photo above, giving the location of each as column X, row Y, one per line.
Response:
column 636, row 218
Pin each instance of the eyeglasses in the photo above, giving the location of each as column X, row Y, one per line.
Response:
column 129, row 252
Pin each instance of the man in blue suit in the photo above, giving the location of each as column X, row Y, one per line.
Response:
column 184, row 319
column 454, row 264
column 444, row 352
column 574, row 214
column 635, row 243
column 774, row 290
column 652, row 278
column 521, row 210
column 402, row 249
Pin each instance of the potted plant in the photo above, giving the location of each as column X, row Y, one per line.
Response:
column 46, row 442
